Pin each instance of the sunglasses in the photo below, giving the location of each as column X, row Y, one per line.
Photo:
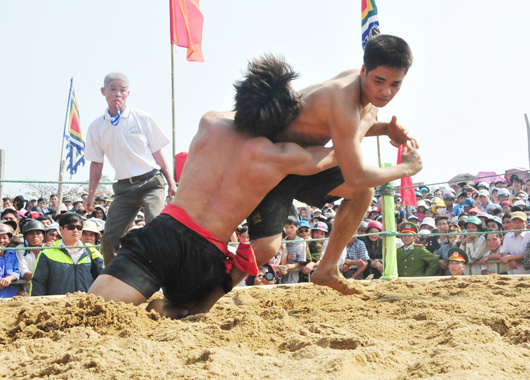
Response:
column 304, row 230
column 72, row 227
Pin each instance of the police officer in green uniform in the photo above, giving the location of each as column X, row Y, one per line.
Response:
column 413, row 260
column 457, row 261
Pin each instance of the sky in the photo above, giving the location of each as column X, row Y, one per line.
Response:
column 464, row 97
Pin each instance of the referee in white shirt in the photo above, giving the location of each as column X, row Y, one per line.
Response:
column 132, row 142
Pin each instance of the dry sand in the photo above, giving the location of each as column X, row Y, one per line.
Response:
column 454, row 328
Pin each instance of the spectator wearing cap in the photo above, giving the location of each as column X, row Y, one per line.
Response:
column 424, row 191
column 296, row 251
column 33, row 237
column 473, row 211
column 449, row 200
column 484, row 199
column 457, row 261
column 413, row 260
column 99, row 212
column 427, row 224
column 474, row 245
column 356, row 260
column 443, row 252
column 374, row 246
column 506, row 206
column 375, row 213
column 414, row 219
column 77, row 203
column 51, row 234
column 420, row 212
column 494, row 223
column 494, row 242
column 494, row 195
column 100, row 200
column 9, row 271
column 304, row 231
column 468, row 205
column 419, row 197
column 503, row 195
column 515, row 244
column 67, row 201
column 61, row 270
column 518, row 205
column 31, row 203
column 319, row 230
column 483, row 186
column 91, row 236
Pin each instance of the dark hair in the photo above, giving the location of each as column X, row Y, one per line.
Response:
column 389, row 51
column 265, row 101
column 53, row 195
column 507, row 215
column 43, row 218
column 440, row 217
column 69, row 218
column 40, row 200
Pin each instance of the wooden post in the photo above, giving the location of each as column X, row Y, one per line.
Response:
column 2, row 167
column 62, row 172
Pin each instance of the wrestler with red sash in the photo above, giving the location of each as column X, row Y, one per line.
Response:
column 227, row 173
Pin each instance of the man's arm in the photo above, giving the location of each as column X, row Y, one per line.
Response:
column 96, row 168
column 397, row 134
column 347, row 143
column 161, row 161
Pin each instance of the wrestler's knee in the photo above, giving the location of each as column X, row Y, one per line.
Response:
column 360, row 195
column 266, row 248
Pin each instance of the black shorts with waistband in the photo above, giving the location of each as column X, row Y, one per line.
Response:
column 268, row 219
column 166, row 254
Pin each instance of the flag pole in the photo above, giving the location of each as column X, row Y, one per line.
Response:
column 173, row 110
column 61, row 161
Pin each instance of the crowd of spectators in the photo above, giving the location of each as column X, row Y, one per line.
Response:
column 37, row 232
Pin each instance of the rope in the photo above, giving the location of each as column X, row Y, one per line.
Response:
column 52, row 182
column 382, row 234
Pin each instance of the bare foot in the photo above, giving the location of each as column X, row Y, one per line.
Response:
column 167, row 309
column 334, row 280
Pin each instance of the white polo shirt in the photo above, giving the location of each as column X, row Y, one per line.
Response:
column 129, row 146
column 515, row 245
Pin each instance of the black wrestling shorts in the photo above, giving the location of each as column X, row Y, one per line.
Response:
column 269, row 218
column 166, row 254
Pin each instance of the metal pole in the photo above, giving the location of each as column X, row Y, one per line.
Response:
column 61, row 175
column 173, row 110
column 2, row 167
column 528, row 136
column 60, row 190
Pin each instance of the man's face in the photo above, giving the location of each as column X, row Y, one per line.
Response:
column 503, row 198
column 46, row 222
column 116, row 91
column 484, row 200
column 462, row 199
column 456, row 267
column 88, row 237
column 492, row 226
column 72, row 231
column 506, row 224
column 319, row 234
column 52, row 235
column 42, row 204
column 408, row 239
column 7, row 203
column 442, row 226
column 380, row 85
column 493, row 241
column 518, row 224
column 53, row 201
column 448, row 203
column 34, row 238
column 290, row 230
column 303, row 232
column 9, row 216
column 303, row 213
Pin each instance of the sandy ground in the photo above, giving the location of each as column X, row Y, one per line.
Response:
column 454, row 328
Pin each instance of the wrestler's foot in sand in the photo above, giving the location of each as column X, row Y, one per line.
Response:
column 167, row 309
column 332, row 278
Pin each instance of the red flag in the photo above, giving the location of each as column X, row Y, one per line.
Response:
column 186, row 18
column 408, row 196
column 180, row 160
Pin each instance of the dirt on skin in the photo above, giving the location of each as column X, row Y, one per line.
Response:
column 453, row 328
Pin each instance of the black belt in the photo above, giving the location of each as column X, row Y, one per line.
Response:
column 139, row 178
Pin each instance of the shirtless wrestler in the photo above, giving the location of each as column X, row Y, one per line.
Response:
column 343, row 110
column 228, row 171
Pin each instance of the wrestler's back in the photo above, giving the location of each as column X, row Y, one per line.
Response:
column 312, row 126
column 226, row 175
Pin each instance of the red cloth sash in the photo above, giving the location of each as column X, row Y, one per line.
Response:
column 244, row 258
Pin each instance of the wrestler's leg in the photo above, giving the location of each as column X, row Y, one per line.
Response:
column 347, row 220
column 112, row 289
column 264, row 248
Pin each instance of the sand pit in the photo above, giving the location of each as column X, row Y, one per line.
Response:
column 467, row 328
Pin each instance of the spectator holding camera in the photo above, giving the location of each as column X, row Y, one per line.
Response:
column 266, row 276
